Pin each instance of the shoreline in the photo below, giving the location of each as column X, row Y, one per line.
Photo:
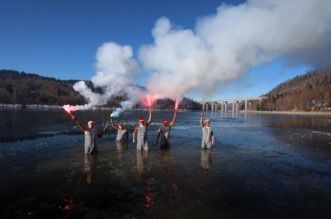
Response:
column 41, row 106
column 311, row 113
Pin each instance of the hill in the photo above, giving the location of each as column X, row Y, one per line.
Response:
column 30, row 89
column 23, row 88
column 310, row 91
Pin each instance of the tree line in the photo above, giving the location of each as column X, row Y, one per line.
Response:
column 307, row 92
column 28, row 89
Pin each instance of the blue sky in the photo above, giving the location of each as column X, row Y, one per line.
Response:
column 60, row 39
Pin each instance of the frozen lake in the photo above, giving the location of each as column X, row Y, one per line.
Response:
column 261, row 166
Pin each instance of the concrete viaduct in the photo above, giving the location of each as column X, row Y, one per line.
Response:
column 213, row 104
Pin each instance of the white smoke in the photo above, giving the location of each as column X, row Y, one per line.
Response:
column 115, row 66
column 227, row 44
column 222, row 47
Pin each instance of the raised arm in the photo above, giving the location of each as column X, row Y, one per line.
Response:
column 149, row 118
column 201, row 119
column 100, row 133
column 174, row 119
column 112, row 123
column 84, row 128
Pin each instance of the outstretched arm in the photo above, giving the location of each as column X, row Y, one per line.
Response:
column 174, row 119
column 100, row 134
column 201, row 119
column 113, row 124
column 149, row 118
column 84, row 128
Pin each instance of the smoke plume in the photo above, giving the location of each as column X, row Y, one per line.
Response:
column 115, row 66
column 222, row 47
column 227, row 44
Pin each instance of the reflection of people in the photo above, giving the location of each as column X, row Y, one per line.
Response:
column 121, row 147
column 206, row 160
column 141, row 132
column 90, row 135
column 207, row 133
column 164, row 131
column 142, row 164
column 89, row 166
column 122, row 133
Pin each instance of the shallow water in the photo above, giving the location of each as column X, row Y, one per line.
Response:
column 261, row 166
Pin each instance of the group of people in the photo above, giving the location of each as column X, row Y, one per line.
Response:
column 140, row 133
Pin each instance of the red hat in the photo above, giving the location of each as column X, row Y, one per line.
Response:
column 165, row 120
column 141, row 118
column 121, row 125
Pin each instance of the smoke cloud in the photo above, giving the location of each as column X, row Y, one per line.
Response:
column 227, row 44
column 115, row 66
column 222, row 47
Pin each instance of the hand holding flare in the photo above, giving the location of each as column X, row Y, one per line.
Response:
column 69, row 112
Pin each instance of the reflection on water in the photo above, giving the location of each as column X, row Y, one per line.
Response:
column 89, row 166
column 143, row 175
column 71, row 200
column 206, row 160
column 121, row 147
column 142, row 165
column 261, row 166
column 163, row 159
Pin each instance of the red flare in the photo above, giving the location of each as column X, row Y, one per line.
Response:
column 176, row 105
column 149, row 101
column 67, row 108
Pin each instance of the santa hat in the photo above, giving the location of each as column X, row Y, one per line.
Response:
column 165, row 120
column 141, row 118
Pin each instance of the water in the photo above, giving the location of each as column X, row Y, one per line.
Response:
column 261, row 166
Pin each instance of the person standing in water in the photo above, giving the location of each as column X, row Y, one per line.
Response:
column 164, row 131
column 91, row 134
column 141, row 132
column 207, row 133
column 122, row 133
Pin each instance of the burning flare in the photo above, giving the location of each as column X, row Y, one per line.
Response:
column 69, row 108
column 176, row 105
column 150, row 100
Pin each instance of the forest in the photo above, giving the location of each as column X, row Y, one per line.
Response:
column 31, row 89
column 308, row 92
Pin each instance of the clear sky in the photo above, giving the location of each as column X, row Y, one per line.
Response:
column 246, row 48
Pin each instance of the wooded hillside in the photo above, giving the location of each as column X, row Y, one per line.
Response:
column 311, row 91
column 27, row 89
column 23, row 88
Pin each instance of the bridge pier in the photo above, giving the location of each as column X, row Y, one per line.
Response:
column 213, row 104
